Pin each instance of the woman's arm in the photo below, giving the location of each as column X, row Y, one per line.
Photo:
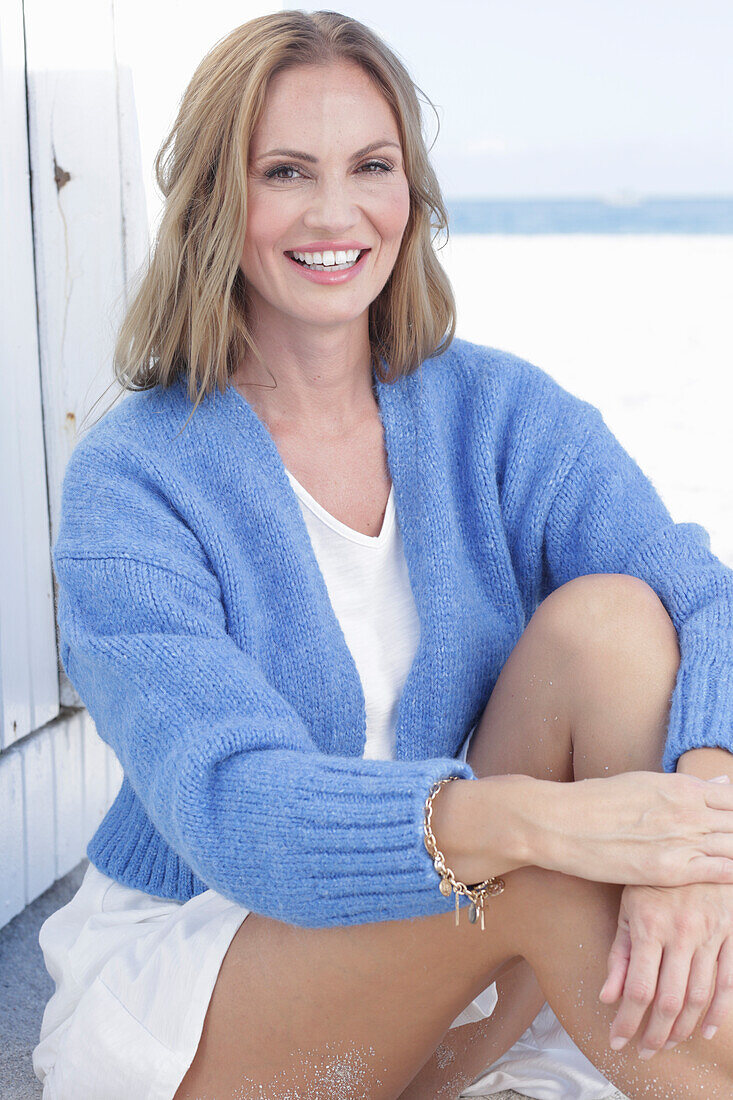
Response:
column 224, row 766
column 575, row 502
column 637, row 827
column 706, row 763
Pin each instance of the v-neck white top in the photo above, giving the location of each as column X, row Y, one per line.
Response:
column 369, row 587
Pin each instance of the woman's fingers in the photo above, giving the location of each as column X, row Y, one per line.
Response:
column 706, row 868
column 618, row 966
column 639, row 990
column 700, row 988
column 722, row 1003
column 718, row 823
column 679, row 991
column 718, row 796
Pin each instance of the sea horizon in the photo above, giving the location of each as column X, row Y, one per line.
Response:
column 618, row 213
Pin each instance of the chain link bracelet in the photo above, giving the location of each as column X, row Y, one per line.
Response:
column 448, row 882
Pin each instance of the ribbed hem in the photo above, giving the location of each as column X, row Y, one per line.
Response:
column 128, row 848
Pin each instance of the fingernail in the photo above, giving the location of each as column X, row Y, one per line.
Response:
column 709, row 1031
column 646, row 1054
column 720, row 779
column 670, row 1044
column 618, row 1042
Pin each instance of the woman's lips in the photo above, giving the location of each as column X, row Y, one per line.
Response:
column 330, row 277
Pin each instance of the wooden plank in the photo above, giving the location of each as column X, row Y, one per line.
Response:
column 74, row 142
column 68, row 795
column 28, row 664
column 40, row 825
column 12, row 860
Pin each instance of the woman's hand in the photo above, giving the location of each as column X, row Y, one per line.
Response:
column 664, row 955
column 639, row 828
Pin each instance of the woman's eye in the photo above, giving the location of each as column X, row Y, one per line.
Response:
column 273, row 173
column 378, row 164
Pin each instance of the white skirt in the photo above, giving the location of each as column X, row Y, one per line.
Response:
column 134, row 975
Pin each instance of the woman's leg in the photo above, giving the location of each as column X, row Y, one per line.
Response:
column 466, row 1051
column 359, row 1011
column 609, row 708
column 587, row 697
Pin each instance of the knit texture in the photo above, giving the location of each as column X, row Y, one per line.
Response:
column 196, row 626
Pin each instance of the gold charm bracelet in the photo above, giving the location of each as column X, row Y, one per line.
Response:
column 476, row 892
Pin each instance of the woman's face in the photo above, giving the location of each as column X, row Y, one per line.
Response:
column 322, row 193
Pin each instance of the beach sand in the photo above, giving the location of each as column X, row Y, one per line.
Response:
column 637, row 325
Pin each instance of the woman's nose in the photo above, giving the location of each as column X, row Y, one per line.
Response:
column 331, row 207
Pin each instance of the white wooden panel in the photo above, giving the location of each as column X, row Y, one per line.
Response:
column 40, row 819
column 74, row 140
column 77, row 209
column 69, row 795
column 28, row 665
column 55, row 788
column 12, row 876
column 135, row 236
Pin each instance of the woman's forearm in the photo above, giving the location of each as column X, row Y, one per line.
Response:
column 706, row 763
column 644, row 828
column 482, row 826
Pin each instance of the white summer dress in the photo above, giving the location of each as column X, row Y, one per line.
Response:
column 134, row 973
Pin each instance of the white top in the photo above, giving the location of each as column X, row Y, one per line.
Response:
column 368, row 584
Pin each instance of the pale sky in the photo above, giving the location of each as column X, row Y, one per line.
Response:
column 570, row 97
column 545, row 98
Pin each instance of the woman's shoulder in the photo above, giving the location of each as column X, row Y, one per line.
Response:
column 483, row 366
column 497, row 380
column 136, row 416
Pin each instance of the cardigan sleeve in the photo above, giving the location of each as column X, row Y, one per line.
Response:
column 223, row 765
column 607, row 517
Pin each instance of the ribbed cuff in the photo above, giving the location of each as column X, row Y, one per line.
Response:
column 701, row 714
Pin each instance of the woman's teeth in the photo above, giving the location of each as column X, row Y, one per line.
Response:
column 328, row 261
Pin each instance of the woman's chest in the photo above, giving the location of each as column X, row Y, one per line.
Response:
column 349, row 478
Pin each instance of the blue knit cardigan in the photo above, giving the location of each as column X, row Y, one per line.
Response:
column 196, row 626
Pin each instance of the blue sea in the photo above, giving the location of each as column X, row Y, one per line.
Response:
column 572, row 215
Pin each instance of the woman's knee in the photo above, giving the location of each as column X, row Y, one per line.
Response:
column 601, row 612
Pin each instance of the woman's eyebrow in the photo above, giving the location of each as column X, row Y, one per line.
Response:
column 314, row 160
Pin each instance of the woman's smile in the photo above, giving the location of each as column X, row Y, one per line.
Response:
column 329, row 268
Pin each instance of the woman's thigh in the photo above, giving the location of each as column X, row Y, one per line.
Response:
column 359, row 1010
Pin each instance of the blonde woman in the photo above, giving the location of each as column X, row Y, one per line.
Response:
column 325, row 555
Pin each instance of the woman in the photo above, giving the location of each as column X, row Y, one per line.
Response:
column 320, row 550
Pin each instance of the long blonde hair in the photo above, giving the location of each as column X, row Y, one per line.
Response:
column 187, row 315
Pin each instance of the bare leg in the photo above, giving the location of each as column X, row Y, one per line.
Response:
column 612, row 709
column 359, row 1011
column 591, row 699
column 466, row 1051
